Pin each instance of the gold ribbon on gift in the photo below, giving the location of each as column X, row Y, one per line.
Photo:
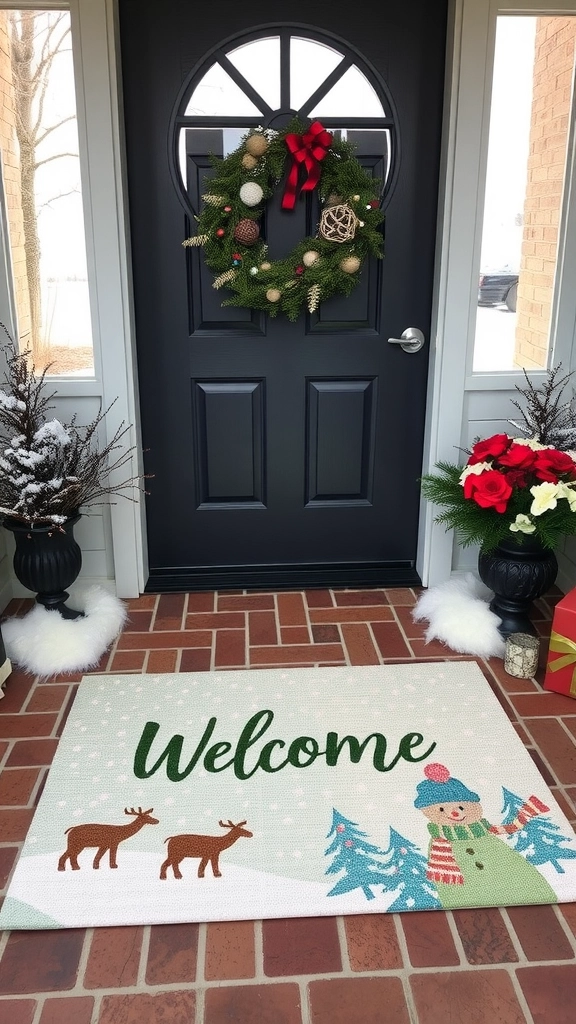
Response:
column 562, row 645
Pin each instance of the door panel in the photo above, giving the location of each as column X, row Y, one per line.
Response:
column 283, row 454
column 340, row 444
column 229, row 444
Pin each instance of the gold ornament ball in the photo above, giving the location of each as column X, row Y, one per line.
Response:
column 249, row 162
column 356, row 198
column 265, row 266
column 257, row 145
column 350, row 265
column 310, row 257
column 273, row 295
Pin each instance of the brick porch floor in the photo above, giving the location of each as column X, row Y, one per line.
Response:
column 515, row 966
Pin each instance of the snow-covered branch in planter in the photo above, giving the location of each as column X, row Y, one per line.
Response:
column 50, row 470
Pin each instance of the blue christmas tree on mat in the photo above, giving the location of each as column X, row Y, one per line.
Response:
column 408, row 872
column 540, row 840
column 352, row 854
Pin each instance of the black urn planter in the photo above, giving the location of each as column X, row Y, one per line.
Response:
column 47, row 560
column 517, row 574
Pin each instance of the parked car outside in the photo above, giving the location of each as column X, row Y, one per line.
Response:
column 498, row 286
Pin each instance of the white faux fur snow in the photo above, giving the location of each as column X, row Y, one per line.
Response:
column 459, row 617
column 44, row 643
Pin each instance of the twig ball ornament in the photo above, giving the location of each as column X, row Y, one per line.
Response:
column 350, row 264
column 257, row 145
column 310, row 258
column 247, row 231
column 249, row 162
column 273, row 295
column 251, row 193
column 338, row 223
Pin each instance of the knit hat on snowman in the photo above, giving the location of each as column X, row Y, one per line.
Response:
column 440, row 787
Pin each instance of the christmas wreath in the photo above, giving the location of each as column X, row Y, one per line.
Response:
column 329, row 264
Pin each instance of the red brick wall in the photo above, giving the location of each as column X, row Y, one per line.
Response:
column 553, row 70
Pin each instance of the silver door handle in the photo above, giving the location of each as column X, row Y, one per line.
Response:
column 412, row 340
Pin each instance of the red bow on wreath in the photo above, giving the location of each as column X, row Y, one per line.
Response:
column 308, row 149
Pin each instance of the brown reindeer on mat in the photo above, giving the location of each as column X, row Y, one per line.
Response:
column 105, row 837
column 208, row 848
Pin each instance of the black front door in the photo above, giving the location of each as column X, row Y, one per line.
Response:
column 283, row 454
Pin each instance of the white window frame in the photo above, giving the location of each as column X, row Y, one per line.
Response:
column 469, row 84
column 94, row 35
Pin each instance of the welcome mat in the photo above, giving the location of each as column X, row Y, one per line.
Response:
column 287, row 793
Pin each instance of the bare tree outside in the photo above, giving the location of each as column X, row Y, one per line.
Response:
column 38, row 41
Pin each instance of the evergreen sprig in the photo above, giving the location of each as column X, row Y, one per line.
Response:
column 341, row 175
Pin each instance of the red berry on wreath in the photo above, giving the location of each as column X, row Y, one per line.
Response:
column 236, row 255
column 220, row 232
column 374, row 204
column 299, row 270
column 227, row 209
column 247, row 231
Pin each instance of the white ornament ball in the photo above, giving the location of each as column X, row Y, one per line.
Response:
column 310, row 257
column 253, row 271
column 273, row 295
column 251, row 193
column 350, row 264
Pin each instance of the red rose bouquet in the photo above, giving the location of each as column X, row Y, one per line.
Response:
column 510, row 487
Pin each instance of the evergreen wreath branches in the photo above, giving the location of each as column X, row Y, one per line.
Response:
column 317, row 268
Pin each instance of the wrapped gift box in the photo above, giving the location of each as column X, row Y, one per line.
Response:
column 561, row 665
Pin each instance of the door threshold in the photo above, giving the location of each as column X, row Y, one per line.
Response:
column 283, row 577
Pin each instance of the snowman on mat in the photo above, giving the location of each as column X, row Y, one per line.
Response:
column 470, row 865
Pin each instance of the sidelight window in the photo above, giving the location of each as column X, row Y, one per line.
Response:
column 42, row 187
column 532, row 90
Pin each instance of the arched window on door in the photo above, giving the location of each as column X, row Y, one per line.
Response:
column 266, row 78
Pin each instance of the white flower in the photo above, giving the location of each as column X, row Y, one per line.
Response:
column 570, row 494
column 532, row 443
column 545, row 497
column 522, row 524
column 476, row 468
